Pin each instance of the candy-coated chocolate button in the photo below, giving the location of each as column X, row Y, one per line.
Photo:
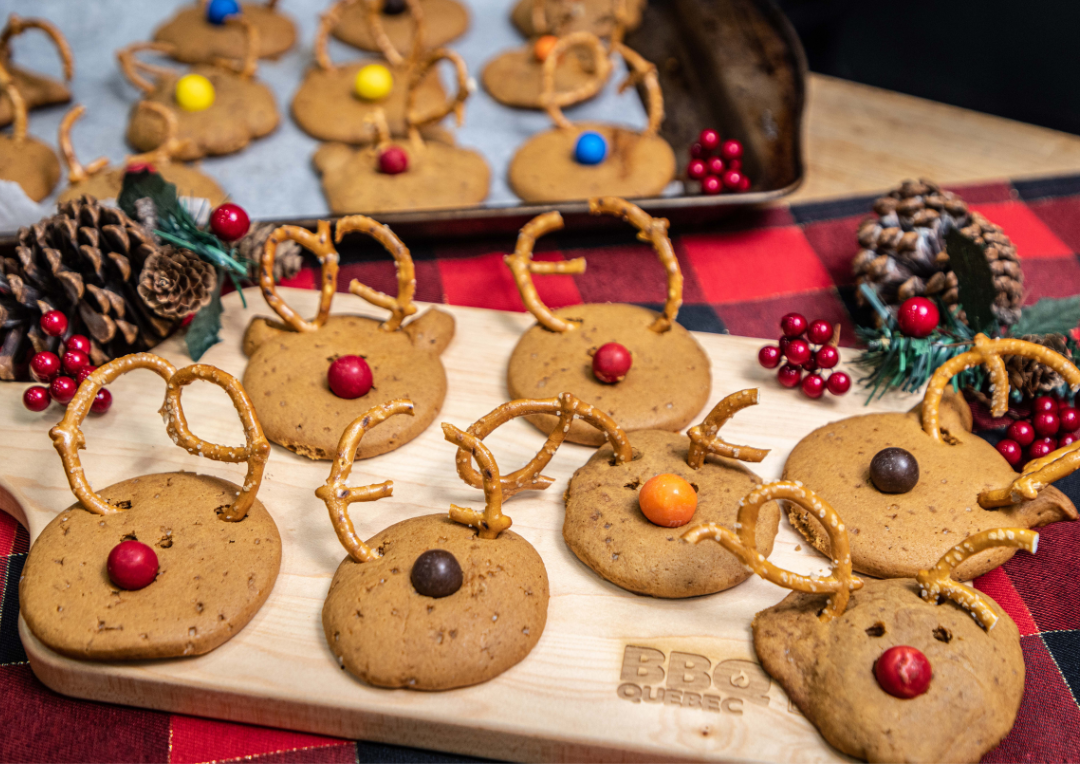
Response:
column 894, row 470
column 194, row 92
column 373, row 82
column 436, row 573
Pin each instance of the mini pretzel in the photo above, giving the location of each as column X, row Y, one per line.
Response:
column 938, row 582
column 133, row 68
column 455, row 105
column 541, row 26
column 643, row 71
column 567, row 407
column 491, row 522
column 705, row 437
column 68, row 438
column 1038, row 473
column 743, row 544
column 16, row 26
column 76, row 172
column 18, row 106
column 320, row 244
column 336, row 492
column 378, row 32
column 553, row 101
column 523, row 266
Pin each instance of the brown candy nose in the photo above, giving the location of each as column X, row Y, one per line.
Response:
column 894, row 470
column 436, row 573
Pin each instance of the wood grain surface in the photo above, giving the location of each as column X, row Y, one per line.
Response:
column 568, row 700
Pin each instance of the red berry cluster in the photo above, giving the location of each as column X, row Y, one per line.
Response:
column 63, row 373
column 717, row 164
column 1052, row 425
column 802, row 357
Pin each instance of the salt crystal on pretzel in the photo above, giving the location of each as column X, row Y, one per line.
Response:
column 68, row 438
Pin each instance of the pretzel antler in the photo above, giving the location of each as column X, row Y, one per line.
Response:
column 652, row 231
column 1037, row 474
column 523, row 266
column 566, row 407
column 938, row 582
column 644, row 71
column 743, row 544
column 705, row 437
column 382, row 40
column 133, row 67
column 491, row 522
column 246, row 66
column 402, row 305
column 320, row 245
column 551, row 101
column 68, row 438
column 76, row 172
column 168, row 148
column 338, row 495
column 18, row 106
column 16, row 26
column 455, row 104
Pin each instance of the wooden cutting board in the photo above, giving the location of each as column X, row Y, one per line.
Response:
column 569, row 699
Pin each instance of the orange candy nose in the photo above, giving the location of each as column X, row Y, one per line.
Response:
column 543, row 46
column 668, row 500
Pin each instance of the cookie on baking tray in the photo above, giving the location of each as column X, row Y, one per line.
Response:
column 669, row 378
column 23, row 158
column 97, row 179
column 199, row 34
column 411, row 174
column 36, row 89
column 338, row 102
column 599, row 17
column 158, row 566
column 618, row 524
column 910, row 485
column 446, row 20
column 921, row 670
column 437, row 601
column 578, row 161
column 220, row 107
column 293, row 364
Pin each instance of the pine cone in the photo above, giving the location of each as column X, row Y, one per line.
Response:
column 84, row 261
column 287, row 260
column 903, row 249
column 176, row 282
column 1031, row 377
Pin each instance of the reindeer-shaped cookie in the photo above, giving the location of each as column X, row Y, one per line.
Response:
column 442, row 601
column 669, row 379
column 327, row 105
column 23, row 158
column 406, row 174
column 99, row 180
column 600, row 17
column 578, row 161
column 516, row 77
column 243, row 108
column 446, row 21
column 904, row 669
column 288, row 375
column 36, row 89
column 198, row 40
column 606, row 527
column 958, row 484
column 157, row 566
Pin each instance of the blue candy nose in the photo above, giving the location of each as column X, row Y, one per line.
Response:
column 591, row 148
column 219, row 10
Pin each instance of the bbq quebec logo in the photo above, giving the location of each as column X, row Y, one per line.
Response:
column 689, row 680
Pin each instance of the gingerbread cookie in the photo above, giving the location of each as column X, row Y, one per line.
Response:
column 947, row 483
column 159, row 566
column 433, row 602
column 516, row 77
column 399, row 175
column 220, row 108
column 591, row 159
column 338, row 102
column 606, row 527
column 97, row 179
column 600, row 17
column 446, row 20
column 23, row 158
column 669, row 377
column 896, row 670
column 199, row 37
column 37, row 89
column 303, row 395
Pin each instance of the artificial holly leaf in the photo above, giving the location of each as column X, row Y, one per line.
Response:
column 147, row 185
column 1048, row 316
column 975, row 280
column 204, row 330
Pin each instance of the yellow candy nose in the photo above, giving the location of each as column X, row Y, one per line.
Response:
column 373, row 82
column 194, row 92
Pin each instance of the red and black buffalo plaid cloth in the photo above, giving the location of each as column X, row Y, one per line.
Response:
column 741, row 276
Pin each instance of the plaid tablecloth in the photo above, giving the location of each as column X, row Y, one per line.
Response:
column 741, row 276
